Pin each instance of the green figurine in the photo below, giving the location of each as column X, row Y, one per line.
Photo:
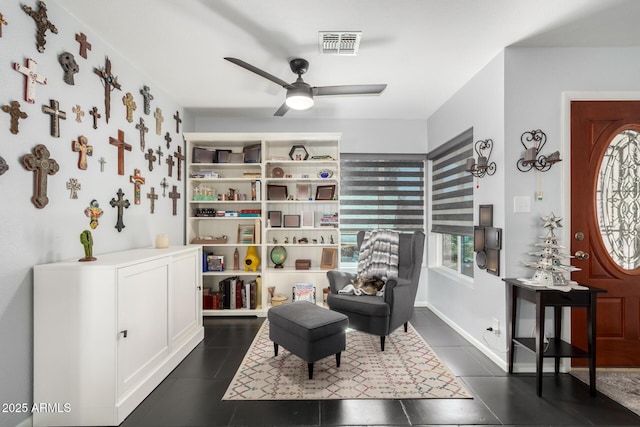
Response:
column 87, row 242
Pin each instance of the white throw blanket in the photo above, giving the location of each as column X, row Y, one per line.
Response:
column 379, row 254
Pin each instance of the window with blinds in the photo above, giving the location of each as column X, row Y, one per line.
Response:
column 380, row 191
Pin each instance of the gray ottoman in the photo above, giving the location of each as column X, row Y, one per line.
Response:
column 308, row 331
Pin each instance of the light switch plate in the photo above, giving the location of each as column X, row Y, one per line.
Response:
column 522, row 204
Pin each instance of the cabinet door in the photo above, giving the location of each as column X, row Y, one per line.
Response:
column 143, row 291
column 185, row 295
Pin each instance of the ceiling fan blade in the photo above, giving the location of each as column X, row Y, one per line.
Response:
column 258, row 71
column 282, row 110
column 348, row 90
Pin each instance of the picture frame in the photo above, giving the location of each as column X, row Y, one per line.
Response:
column 493, row 261
column 307, row 219
column 298, row 152
column 275, row 219
column 493, row 238
column 485, row 215
column 236, row 157
column 252, row 153
column 303, row 191
column 202, row 155
column 325, row 192
column 277, row 192
column 291, row 221
column 222, row 156
column 328, row 259
column 478, row 239
column 246, row 234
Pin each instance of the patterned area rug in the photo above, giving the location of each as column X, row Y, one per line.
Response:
column 621, row 385
column 407, row 369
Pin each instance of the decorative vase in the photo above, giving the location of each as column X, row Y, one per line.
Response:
column 251, row 260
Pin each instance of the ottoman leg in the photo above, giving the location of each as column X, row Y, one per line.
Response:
column 310, row 365
column 275, row 348
column 338, row 358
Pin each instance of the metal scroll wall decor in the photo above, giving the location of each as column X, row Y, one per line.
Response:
column 533, row 142
column 483, row 166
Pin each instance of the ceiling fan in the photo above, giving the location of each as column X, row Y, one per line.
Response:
column 299, row 93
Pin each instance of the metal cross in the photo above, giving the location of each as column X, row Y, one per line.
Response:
column 160, row 154
column 121, row 147
column 96, row 116
column 143, row 129
column 178, row 121
column 14, row 111
column 174, row 195
column 121, row 204
column 53, row 109
column 109, row 82
column 146, row 94
column 82, row 146
column 41, row 163
column 159, row 120
column 128, row 102
column 73, row 185
column 84, row 44
column 167, row 138
column 77, row 110
column 3, row 166
column 151, row 158
column 32, row 77
column 137, row 180
column 42, row 23
column 164, row 186
column 2, row 22
column 170, row 163
column 180, row 158
column 152, row 196
column 102, row 162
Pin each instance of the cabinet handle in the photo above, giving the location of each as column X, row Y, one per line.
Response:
column 199, row 288
column 124, row 333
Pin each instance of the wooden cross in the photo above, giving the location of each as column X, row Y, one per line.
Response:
column 159, row 120
column 14, row 111
column 167, row 138
column 3, row 166
column 137, row 180
column 180, row 158
column 146, row 94
column 32, row 77
column 178, row 121
column 42, row 165
column 53, row 109
column 84, row 44
column 42, row 23
column 121, row 204
column 143, row 129
column 82, row 146
column 2, row 22
column 170, row 163
column 102, row 161
column 174, row 195
column 151, row 158
column 109, row 82
column 73, row 185
column 121, row 147
column 128, row 102
column 96, row 116
column 152, row 196
column 69, row 67
column 77, row 110
column 164, row 186
column 160, row 154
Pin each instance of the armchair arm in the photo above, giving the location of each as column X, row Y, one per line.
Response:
column 396, row 288
column 339, row 279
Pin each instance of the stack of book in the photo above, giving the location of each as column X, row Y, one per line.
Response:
column 329, row 219
column 236, row 294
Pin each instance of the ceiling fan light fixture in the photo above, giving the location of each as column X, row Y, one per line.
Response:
column 299, row 99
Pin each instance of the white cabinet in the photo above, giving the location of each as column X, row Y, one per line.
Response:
column 107, row 332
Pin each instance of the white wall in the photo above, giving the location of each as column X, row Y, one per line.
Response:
column 30, row 236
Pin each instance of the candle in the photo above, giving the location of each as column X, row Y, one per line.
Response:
column 162, row 241
column 530, row 155
column 470, row 164
column 482, row 161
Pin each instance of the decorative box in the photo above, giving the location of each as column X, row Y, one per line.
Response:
column 303, row 264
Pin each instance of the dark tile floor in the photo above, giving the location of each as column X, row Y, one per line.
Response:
column 191, row 395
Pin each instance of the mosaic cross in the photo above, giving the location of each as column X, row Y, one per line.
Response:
column 13, row 109
column 170, row 164
column 143, row 129
column 84, row 44
column 32, row 77
column 42, row 23
column 150, row 158
column 167, row 137
column 2, row 22
column 110, row 83
column 130, row 104
column 119, row 142
column 102, row 161
column 174, row 195
column 42, row 165
column 146, row 94
column 160, row 154
column 53, row 109
column 178, row 121
column 152, row 196
column 178, row 154
column 159, row 120
column 74, row 186
column 82, row 146
column 77, row 110
column 164, row 186
column 137, row 180
column 121, row 203
column 94, row 113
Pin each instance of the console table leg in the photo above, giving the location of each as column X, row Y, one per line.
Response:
column 539, row 341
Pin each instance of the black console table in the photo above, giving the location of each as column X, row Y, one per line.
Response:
column 544, row 297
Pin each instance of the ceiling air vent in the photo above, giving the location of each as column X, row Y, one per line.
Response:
column 339, row 42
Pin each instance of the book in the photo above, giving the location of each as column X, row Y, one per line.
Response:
column 215, row 262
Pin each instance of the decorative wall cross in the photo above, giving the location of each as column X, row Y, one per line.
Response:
column 130, row 104
column 32, row 77
column 84, row 44
column 143, row 129
column 150, row 158
column 160, row 154
column 3, row 166
column 53, row 109
column 146, row 94
column 137, row 180
column 69, row 67
column 119, row 142
column 42, row 23
column 159, row 120
column 164, row 186
column 167, row 138
column 178, row 154
column 178, row 121
column 170, row 164
column 13, row 109
column 74, row 186
column 2, row 22
column 102, row 161
column 93, row 212
column 174, row 195
column 82, row 146
column 42, row 165
column 77, row 110
column 152, row 196
column 96, row 116
column 110, row 83
column 121, row 204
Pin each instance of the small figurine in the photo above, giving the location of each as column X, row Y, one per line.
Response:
column 87, row 242
column 286, row 239
column 275, row 240
column 322, row 240
column 294, row 240
column 331, row 241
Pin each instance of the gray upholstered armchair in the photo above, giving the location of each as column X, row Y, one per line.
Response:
column 380, row 315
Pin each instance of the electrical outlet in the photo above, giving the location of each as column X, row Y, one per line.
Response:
column 495, row 325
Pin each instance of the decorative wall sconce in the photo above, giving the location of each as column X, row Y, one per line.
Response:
column 483, row 149
column 536, row 140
